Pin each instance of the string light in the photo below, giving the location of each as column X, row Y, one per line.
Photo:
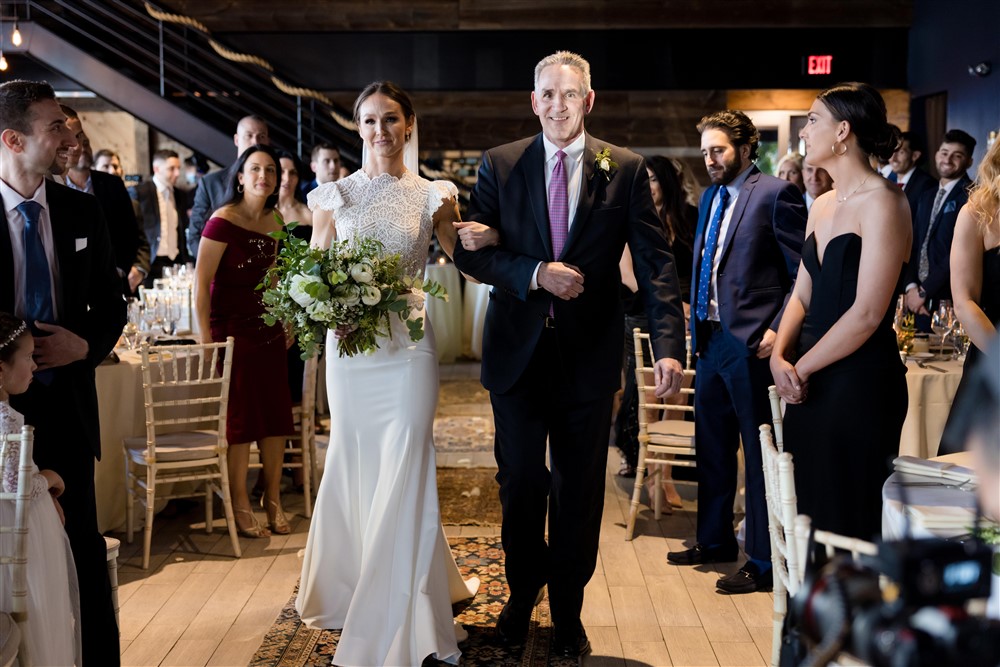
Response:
column 3, row 62
column 15, row 38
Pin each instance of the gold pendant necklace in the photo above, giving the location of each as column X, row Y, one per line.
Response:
column 856, row 189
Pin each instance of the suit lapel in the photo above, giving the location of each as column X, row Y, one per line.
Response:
column 7, row 262
column 588, row 188
column 533, row 167
column 740, row 206
column 64, row 237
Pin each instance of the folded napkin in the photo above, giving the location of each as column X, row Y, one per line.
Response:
column 942, row 517
column 940, row 469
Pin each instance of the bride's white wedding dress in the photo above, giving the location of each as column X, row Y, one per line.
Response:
column 377, row 563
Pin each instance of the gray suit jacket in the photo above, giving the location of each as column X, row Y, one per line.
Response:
column 209, row 197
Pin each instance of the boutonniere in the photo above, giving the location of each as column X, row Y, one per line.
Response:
column 604, row 164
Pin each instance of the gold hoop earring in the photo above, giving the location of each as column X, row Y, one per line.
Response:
column 239, row 188
column 407, row 138
column 833, row 148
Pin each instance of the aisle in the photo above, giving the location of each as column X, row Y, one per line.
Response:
column 198, row 606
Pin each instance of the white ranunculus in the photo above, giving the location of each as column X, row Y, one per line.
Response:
column 362, row 272
column 370, row 295
column 320, row 311
column 297, row 289
column 605, row 164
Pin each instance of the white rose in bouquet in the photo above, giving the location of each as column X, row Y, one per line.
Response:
column 370, row 295
column 349, row 295
column 320, row 311
column 362, row 272
column 297, row 288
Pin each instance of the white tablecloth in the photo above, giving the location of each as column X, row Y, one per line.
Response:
column 446, row 316
column 120, row 406
column 475, row 299
column 930, row 396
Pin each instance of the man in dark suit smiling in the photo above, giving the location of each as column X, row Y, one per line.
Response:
column 565, row 204
column 57, row 272
column 747, row 250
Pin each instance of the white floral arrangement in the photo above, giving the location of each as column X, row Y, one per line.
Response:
column 353, row 285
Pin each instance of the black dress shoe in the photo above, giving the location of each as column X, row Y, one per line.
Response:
column 748, row 579
column 512, row 625
column 700, row 554
column 573, row 645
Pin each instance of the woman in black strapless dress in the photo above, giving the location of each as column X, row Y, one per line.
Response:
column 975, row 279
column 835, row 359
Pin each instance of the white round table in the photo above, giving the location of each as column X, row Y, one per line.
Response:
column 446, row 316
column 930, row 395
column 476, row 299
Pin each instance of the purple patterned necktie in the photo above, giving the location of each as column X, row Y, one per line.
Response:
column 558, row 207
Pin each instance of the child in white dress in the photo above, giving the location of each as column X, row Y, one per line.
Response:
column 53, row 628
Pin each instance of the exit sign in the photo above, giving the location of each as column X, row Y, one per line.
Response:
column 819, row 65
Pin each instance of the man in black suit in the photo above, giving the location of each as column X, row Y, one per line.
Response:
column 57, row 237
column 211, row 192
column 906, row 171
column 127, row 237
column 747, row 250
column 164, row 213
column 552, row 341
column 928, row 274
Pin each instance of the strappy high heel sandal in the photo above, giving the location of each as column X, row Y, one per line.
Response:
column 278, row 523
column 255, row 530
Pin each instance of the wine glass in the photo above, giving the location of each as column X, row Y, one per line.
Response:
column 943, row 319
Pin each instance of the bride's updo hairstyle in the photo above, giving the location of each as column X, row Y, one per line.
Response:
column 390, row 90
column 863, row 107
column 12, row 329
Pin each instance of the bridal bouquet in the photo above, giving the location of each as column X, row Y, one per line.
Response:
column 353, row 285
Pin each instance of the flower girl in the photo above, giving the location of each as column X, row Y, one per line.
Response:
column 53, row 628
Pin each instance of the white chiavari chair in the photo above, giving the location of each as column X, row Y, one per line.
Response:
column 777, row 417
column 14, row 535
column 779, row 490
column 660, row 439
column 186, row 394
column 300, row 446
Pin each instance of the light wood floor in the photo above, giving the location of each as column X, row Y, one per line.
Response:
column 197, row 605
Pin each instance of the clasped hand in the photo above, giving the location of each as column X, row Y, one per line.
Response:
column 787, row 382
column 562, row 280
column 59, row 348
column 475, row 235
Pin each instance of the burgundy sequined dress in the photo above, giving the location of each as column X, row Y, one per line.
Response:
column 259, row 401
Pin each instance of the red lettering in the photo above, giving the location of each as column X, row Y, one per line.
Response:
column 820, row 65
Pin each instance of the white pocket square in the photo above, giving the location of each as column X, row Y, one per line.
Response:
column 81, row 244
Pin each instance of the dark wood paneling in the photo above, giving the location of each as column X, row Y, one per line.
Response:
column 334, row 15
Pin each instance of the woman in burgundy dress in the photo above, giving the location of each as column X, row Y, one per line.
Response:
column 234, row 255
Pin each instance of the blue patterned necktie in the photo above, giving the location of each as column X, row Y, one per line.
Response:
column 37, row 278
column 708, row 255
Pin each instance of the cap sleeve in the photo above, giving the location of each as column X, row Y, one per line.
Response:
column 325, row 197
column 438, row 192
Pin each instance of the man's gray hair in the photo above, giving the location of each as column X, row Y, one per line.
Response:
column 565, row 58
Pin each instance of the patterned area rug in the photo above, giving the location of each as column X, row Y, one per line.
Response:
column 464, row 419
column 291, row 644
column 468, row 496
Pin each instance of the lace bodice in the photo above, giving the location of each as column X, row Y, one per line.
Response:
column 397, row 212
column 11, row 421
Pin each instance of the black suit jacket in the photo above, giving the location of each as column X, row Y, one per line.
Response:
column 760, row 257
column 89, row 303
column 510, row 196
column 938, row 282
column 208, row 198
column 149, row 202
column 128, row 239
column 918, row 184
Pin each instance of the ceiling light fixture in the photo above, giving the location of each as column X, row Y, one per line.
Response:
column 15, row 37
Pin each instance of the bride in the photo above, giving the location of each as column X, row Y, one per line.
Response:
column 377, row 563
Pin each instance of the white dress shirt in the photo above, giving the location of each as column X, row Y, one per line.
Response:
column 15, row 227
column 573, row 166
column 168, row 219
column 734, row 188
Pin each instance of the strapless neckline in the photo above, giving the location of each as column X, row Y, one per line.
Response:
column 812, row 237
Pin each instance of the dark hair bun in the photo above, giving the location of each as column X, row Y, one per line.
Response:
column 885, row 145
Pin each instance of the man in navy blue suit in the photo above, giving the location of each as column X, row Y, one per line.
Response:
column 928, row 274
column 747, row 250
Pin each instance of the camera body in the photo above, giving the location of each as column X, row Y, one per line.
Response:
column 841, row 607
